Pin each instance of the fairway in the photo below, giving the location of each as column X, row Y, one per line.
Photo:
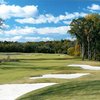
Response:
column 49, row 50
column 26, row 65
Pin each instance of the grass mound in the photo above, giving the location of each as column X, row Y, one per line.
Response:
column 86, row 90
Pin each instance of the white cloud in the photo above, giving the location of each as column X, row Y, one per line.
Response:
column 94, row 7
column 49, row 18
column 38, row 39
column 34, row 30
column 30, row 21
column 8, row 11
column 53, row 30
column 15, row 38
column 19, row 30
column 5, row 26
column 67, row 22
column 18, row 38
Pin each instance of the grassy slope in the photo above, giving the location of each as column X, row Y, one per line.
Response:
column 84, row 88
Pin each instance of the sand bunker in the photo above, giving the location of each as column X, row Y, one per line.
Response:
column 86, row 66
column 62, row 76
column 13, row 91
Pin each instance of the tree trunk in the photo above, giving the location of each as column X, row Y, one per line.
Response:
column 83, row 50
column 89, row 49
column 94, row 51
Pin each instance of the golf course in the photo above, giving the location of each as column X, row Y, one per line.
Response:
column 23, row 66
column 49, row 50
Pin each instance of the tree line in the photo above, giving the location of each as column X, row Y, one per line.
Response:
column 87, row 31
column 37, row 47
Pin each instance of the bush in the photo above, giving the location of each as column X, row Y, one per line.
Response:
column 77, row 50
column 71, row 51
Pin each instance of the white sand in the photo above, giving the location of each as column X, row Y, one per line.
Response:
column 86, row 66
column 13, row 91
column 62, row 76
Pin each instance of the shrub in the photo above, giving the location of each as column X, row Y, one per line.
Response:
column 71, row 51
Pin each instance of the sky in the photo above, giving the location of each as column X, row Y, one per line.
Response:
column 42, row 20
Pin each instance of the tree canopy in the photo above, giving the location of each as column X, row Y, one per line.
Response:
column 87, row 32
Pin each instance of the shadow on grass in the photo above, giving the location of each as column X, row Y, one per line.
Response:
column 50, row 59
column 39, row 68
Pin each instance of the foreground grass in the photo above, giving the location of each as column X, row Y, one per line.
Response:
column 86, row 90
column 27, row 65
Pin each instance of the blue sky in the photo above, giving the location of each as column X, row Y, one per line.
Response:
column 42, row 20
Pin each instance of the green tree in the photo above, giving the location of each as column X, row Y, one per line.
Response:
column 77, row 30
column 94, row 33
column 87, row 32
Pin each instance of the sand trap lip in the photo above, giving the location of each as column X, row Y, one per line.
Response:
column 86, row 66
column 61, row 76
column 13, row 91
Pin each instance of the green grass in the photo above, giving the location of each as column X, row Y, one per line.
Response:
column 31, row 65
column 86, row 90
column 83, row 88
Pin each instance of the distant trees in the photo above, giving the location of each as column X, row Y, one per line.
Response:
column 87, row 32
column 37, row 47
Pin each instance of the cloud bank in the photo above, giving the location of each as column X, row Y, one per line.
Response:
column 9, row 11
